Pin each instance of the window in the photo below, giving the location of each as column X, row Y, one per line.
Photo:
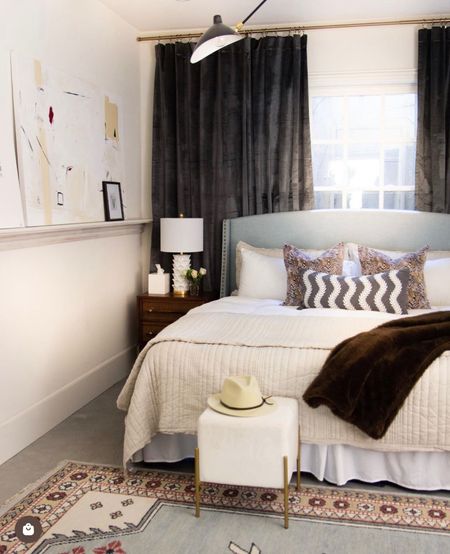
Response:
column 363, row 150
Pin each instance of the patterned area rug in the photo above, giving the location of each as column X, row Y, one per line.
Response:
column 86, row 508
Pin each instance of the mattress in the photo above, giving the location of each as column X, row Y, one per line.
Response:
column 284, row 348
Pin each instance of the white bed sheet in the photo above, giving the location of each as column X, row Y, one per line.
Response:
column 256, row 306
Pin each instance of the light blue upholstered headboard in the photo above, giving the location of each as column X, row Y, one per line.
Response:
column 386, row 229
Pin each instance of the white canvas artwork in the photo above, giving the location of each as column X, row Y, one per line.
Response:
column 68, row 140
column 11, row 213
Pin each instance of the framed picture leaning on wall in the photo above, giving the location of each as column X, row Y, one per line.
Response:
column 112, row 199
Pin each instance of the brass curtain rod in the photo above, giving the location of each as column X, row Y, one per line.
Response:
column 300, row 28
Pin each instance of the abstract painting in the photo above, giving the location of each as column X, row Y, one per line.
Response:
column 11, row 213
column 68, row 139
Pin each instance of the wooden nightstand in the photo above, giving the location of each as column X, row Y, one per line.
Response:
column 156, row 311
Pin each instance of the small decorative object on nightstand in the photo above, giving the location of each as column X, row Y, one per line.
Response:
column 156, row 311
column 159, row 282
column 194, row 278
column 181, row 235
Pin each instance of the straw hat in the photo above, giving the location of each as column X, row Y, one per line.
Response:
column 241, row 396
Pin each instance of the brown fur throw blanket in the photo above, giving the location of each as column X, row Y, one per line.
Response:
column 366, row 378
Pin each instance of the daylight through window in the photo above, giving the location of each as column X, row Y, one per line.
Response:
column 363, row 149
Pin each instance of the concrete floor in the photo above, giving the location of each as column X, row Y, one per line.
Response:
column 94, row 434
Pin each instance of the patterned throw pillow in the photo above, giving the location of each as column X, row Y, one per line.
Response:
column 330, row 261
column 382, row 292
column 373, row 261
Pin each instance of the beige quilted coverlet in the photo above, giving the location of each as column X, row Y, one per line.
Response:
column 176, row 372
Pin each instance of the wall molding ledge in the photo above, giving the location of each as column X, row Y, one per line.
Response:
column 27, row 237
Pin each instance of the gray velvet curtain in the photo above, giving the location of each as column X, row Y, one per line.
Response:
column 230, row 137
column 433, row 131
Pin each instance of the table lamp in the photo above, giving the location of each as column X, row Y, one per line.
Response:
column 181, row 235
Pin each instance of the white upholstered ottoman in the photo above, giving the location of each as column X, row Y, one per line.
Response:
column 260, row 451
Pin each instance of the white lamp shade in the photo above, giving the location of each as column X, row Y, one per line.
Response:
column 181, row 234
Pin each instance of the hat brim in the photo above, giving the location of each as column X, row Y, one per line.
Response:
column 217, row 406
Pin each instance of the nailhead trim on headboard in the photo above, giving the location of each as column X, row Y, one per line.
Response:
column 225, row 256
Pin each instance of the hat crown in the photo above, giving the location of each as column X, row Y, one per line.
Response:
column 241, row 392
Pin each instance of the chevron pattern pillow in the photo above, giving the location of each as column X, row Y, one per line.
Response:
column 382, row 292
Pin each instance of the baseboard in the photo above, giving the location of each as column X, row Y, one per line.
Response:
column 30, row 424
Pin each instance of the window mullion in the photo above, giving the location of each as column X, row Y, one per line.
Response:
column 345, row 154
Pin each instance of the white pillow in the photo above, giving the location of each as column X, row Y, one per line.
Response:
column 265, row 276
column 437, row 281
column 273, row 252
column 262, row 276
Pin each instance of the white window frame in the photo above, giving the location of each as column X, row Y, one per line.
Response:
column 354, row 84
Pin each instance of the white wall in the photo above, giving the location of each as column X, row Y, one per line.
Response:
column 351, row 60
column 362, row 49
column 147, row 71
column 67, row 311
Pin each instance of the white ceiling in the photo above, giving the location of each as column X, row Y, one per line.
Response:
column 159, row 15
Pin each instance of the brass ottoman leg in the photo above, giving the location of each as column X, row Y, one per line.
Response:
column 197, row 483
column 286, row 493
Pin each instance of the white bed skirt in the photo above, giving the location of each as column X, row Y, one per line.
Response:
column 335, row 463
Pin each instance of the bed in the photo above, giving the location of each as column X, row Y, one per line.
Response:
column 285, row 349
